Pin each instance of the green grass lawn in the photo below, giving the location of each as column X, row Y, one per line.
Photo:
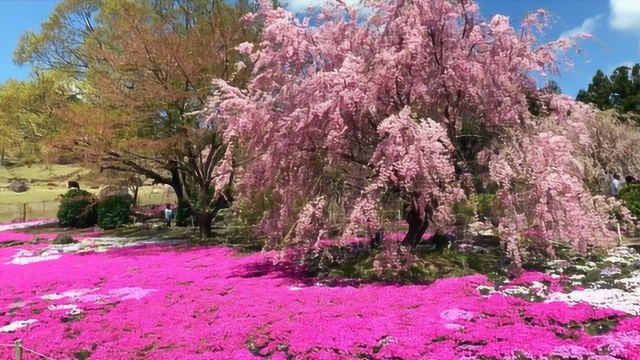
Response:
column 40, row 173
column 49, row 182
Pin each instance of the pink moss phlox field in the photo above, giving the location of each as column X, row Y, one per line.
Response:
column 162, row 302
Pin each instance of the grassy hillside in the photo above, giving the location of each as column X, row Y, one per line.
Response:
column 47, row 183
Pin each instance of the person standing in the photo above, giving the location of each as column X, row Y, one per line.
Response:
column 168, row 215
column 614, row 188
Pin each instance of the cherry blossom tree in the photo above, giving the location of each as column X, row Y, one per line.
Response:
column 378, row 104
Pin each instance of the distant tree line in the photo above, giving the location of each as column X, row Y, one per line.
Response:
column 620, row 90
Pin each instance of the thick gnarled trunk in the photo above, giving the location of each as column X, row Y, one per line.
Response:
column 206, row 219
column 417, row 227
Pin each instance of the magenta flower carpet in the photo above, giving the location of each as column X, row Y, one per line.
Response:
column 176, row 302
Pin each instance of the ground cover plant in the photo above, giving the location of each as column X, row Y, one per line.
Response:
column 122, row 300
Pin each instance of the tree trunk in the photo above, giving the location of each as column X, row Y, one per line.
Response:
column 417, row 227
column 178, row 185
column 135, row 195
column 206, row 218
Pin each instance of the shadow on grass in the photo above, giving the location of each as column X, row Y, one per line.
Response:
column 146, row 232
column 284, row 270
column 47, row 229
column 351, row 266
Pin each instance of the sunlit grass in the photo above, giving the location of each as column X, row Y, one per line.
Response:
column 47, row 183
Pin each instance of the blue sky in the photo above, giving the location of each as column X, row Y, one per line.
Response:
column 614, row 23
column 16, row 17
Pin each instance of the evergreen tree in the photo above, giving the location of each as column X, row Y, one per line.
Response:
column 620, row 90
column 598, row 92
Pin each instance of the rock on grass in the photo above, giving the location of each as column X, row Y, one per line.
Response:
column 64, row 239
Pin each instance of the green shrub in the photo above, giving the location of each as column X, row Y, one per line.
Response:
column 464, row 211
column 114, row 211
column 480, row 204
column 630, row 196
column 183, row 214
column 78, row 209
column 485, row 204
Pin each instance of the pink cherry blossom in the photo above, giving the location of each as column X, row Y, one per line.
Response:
column 375, row 104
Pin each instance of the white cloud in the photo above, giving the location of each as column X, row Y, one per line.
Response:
column 625, row 15
column 588, row 26
column 300, row 6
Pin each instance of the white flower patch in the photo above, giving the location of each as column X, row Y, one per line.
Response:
column 126, row 293
column 582, row 268
column 630, row 283
column 617, row 260
column 316, row 285
column 24, row 257
column 62, row 307
column 450, row 326
column 556, row 264
column 74, row 312
column 104, row 244
column 97, row 244
column 69, row 248
column 601, row 294
column 92, row 298
column 54, row 252
column 608, row 292
column 17, row 325
column 622, row 256
column 518, row 290
column 73, row 294
column 616, row 299
column 18, row 305
column 456, row 314
column 452, row 315
column 89, row 296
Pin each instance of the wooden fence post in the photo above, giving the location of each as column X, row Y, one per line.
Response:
column 18, row 350
column 619, row 235
column 24, row 212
